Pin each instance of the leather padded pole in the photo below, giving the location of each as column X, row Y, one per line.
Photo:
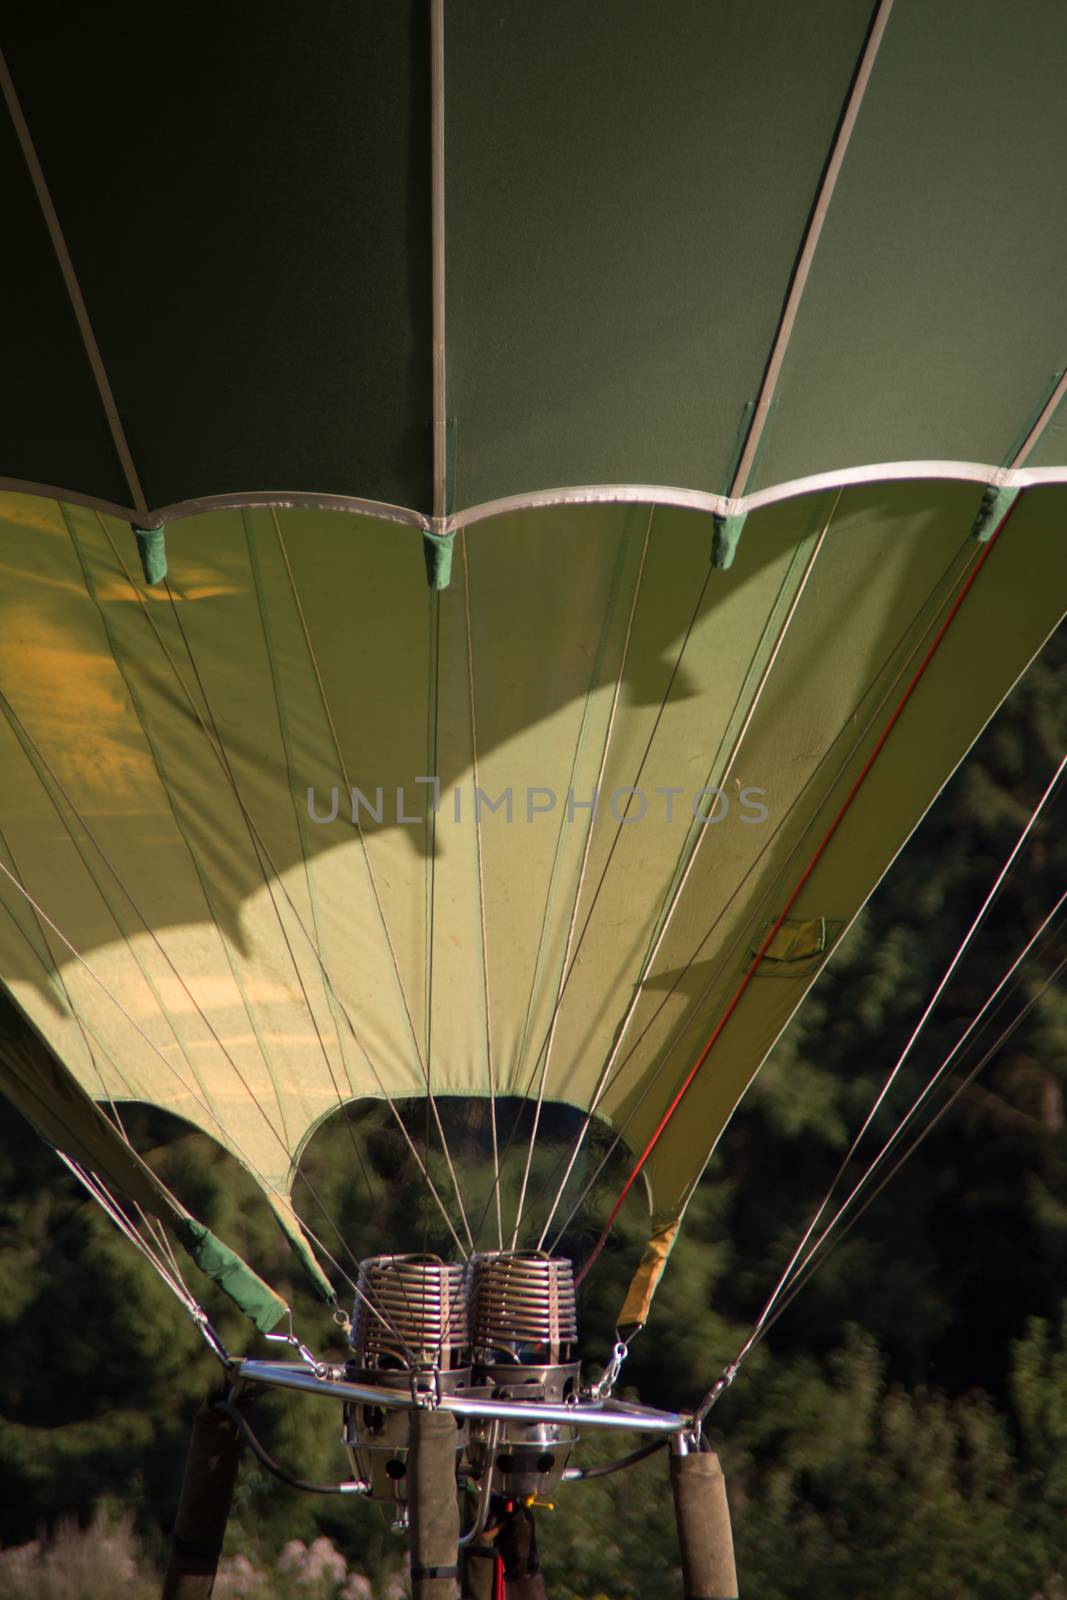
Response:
column 433, row 1505
column 704, row 1534
column 204, row 1507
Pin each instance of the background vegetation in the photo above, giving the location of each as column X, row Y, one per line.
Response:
column 901, row 1432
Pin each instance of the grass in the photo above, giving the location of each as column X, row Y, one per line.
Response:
column 107, row 1561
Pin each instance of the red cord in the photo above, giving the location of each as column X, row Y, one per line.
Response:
column 805, row 875
column 498, row 1578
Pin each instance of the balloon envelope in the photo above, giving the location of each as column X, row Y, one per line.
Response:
column 295, row 828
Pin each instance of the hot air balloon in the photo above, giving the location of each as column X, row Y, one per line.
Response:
column 511, row 514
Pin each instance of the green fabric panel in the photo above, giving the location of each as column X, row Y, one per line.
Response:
column 437, row 549
column 1027, row 424
column 625, row 199
column 1051, row 449
column 248, row 1292
column 609, row 317
column 52, row 426
column 725, row 539
column 286, row 297
column 152, row 549
column 996, row 503
column 216, row 952
column 925, row 331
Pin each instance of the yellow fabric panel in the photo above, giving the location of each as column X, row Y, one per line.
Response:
column 548, row 606
column 650, row 1269
column 1016, row 601
column 158, row 748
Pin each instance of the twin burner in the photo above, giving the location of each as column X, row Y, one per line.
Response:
column 502, row 1326
column 411, row 1315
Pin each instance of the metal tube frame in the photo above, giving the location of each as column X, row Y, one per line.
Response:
column 624, row 1416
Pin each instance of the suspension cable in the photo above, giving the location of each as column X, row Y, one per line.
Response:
column 795, row 893
column 730, row 952
column 490, row 1067
column 98, row 1190
column 817, row 1254
column 806, row 1251
column 675, row 895
column 545, row 1053
column 263, row 854
column 813, row 1261
column 600, row 882
column 894, row 1072
column 261, row 1177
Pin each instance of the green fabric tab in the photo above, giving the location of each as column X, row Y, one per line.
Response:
column 153, row 553
column 996, row 503
column 437, row 548
column 248, row 1292
column 725, row 540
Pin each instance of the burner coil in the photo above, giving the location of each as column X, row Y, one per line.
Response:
column 522, row 1307
column 411, row 1312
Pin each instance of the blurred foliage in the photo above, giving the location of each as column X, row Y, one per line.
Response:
column 902, row 1431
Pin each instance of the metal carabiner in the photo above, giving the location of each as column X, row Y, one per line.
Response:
column 610, row 1376
column 291, row 1339
column 717, row 1390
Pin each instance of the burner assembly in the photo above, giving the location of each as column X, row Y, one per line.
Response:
column 462, row 1401
column 524, row 1328
column 409, row 1334
column 501, row 1328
